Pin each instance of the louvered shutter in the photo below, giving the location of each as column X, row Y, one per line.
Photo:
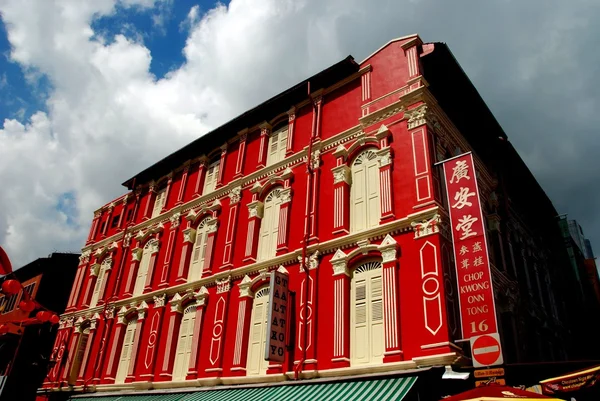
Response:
column 159, row 202
column 376, row 317
column 272, row 156
column 179, row 368
column 373, row 208
column 367, row 336
column 142, row 272
column 256, row 364
column 126, row 352
column 283, row 135
column 361, row 332
column 210, row 182
column 78, row 356
column 96, row 293
column 198, row 253
column 269, row 226
column 359, row 204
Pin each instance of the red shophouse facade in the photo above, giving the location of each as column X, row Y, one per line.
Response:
column 170, row 289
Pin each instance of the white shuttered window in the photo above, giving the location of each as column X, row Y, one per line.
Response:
column 210, row 181
column 96, row 294
column 256, row 364
column 184, row 344
column 269, row 226
column 367, row 335
column 159, row 202
column 142, row 272
column 197, row 261
column 126, row 351
column 277, row 146
column 365, row 210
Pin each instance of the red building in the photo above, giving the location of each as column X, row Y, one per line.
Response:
column 172, row 287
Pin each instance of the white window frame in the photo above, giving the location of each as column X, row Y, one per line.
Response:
column 196, row 269
column 211, row 176
column 369, row 350
column 79, row 352
column 126, row 351
column 277, row 145
column 365, row 193
column 144, row 266
column 255, row 363
column 183, row 351
column 269, row 225
column 159, row 202
column 99, row 279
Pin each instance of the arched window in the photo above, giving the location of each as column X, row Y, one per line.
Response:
column 212, row 173
column 102, row 275
column 126, row 351
column 365, row 209
column 197, row 261
column 277, row 145
column 184, row 344
column 142, row 272
column 79, row 352
column 269, row 227
column 256, row 364
column 366, row 320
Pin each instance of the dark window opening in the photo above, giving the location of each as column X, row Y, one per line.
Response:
column 115, row 221
column 129, row 214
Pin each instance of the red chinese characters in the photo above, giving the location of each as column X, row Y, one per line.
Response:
column 476, row 296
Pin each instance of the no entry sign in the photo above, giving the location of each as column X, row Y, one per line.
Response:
column 486, row 350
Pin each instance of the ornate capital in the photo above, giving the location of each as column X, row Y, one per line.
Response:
column 382, row 132
column 94, row 269
column 175, row 220
column 256, row 209
column 212, row 225
column 152, row 245
column 109, row 312
column 339, row 263
column 107, row 263
column 312, row 261
column 152, row 187
column 189, row 235
column 341, row 174
column 127, row 240
column 265, row 129
column 141, row 310
column 201, row 296
column 341, row 151
column 85, row 257
column 316, row 159
column 245, row 287
column 416, row 116
column 97, row 214
column 292, row 114
column 159, row 301
column 384, row 156
column 286, row 195
column 427, row 226
column 136, row 254
column 175, row 303
column 388, row 249
column 235, row 195
column 223, row 285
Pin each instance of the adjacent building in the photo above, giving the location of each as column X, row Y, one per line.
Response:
column 172, row 287
column 25, row 351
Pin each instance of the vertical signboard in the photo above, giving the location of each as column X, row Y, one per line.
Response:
column 476, row 295
column 277, row 324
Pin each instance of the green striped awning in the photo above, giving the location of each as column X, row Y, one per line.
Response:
column 379, row 389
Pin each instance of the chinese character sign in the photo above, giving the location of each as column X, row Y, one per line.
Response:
column 277, row 318
column 476, row 296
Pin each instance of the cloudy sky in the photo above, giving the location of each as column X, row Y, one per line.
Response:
column 91, row 92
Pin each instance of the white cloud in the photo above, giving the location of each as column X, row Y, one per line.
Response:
column 109, row 117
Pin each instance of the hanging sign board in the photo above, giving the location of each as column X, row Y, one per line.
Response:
column 277, row 323
column 476, row 295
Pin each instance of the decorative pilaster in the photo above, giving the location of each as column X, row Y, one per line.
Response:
column 341, row 199
column 255, row 214
column 284, row 220
column 201, row 299
column 136, row 257
column 234, row 205
column 317, row 106
column 308, row 312
column 88, row 358
column 184, row 176
column 104, row 327
column 105, row 268
column 72, row 350
column 150, row 199
column 385, row 182
column 90, row 284
column 314, row 180
column 79, row 276
column 239, row 166
column 189, row 238
column 265, row 132
column 108, row 217
column 242, row 332
column 291, row 130
column 172, row 335
column 95, row 222
column 122, row 215
column 200, row 178
column 221, row 166
column 341, row 310
column 215, row 360
column 393, row 345
column 118, row 334
column 422, row 159
column 170, row 251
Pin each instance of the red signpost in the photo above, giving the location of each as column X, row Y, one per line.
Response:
column 476, row 295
